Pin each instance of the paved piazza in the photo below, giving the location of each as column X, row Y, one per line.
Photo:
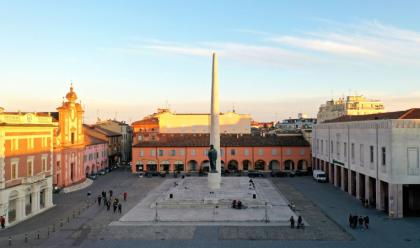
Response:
column 324, row 208
column 193, row 203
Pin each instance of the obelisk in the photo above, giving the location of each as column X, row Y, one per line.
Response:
column 214, row 179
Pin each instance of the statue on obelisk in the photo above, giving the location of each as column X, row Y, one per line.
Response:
column 214, row 176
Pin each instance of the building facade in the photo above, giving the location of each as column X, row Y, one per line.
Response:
column 165, row 121
column 351, row 105
column 374, row 158
column 96, row 155
column 26, row 159
column 69, row 143
column 188, row 153
column 302, row 122
column 126, row 136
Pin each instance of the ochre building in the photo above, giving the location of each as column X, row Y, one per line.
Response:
column 188, row 153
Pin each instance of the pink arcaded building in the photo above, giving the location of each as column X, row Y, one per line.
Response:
column 96, row 154
column 239, row 152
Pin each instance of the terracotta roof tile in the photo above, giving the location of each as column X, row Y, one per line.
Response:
column 226, row 140
column 413, row 113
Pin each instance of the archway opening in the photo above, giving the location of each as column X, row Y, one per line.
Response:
column 260, row 165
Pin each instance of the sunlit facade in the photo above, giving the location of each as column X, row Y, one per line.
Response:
column 26, row 155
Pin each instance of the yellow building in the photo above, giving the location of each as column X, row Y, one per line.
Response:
column 26, row 157
column 351, row 105
column 165, row 121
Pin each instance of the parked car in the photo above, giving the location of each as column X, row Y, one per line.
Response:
column 93, row 176
column 101, row 172
column 140, row 174
column 319, row 176
column 56, row 189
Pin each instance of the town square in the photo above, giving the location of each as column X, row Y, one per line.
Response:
column 209, row 124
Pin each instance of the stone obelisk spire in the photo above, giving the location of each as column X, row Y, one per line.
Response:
column 215, row 178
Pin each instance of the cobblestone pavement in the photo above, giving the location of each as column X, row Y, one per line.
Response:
column 322, row 205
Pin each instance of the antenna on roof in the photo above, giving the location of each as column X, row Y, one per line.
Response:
column 233, row 107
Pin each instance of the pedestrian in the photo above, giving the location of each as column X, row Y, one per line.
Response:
column 125, row 196
column 99, row 200
column 119, row 208
column 2, row 222
column 108, row 205
column 360, row 221
column 115, row 206
column 103, row 194
column 299, row 224
column 292, row 222
column 366, row 220
column 355, row 221
column 350, row 220
column 110, row 193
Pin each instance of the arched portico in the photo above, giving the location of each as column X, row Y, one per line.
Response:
column 274, row 165
column 192, row 165
column 289, row 165
column 260, row 165
column 233, row 165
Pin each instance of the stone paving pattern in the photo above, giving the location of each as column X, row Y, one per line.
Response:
column 315, row 202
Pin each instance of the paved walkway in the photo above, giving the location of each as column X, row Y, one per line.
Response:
column 314, row 201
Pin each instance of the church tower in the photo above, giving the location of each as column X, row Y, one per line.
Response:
column 71, row 121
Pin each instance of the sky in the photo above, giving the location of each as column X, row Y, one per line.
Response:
column 276, row 58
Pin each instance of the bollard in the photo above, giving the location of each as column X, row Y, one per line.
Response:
column 61, row 223
column 68, row 219
column 48, row 232
column 26, row 238
column 37, row 235
column 10, row 240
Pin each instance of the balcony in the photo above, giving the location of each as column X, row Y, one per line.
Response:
column 33, row 179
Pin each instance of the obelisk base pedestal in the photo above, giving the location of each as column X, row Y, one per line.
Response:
column 214, row 180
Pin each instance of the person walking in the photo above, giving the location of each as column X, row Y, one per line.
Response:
column 115, row 205
column 366, row 220
column 119, row 208
column 292, row 222
column 360, row 222
column 108, row 205
column 103, row 194
column 99, row 200
column 110, row 193
column 2, row 222
column 299, row 223
column 125, row 196
column 350, row 220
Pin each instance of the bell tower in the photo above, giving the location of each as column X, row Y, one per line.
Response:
column 70, row 120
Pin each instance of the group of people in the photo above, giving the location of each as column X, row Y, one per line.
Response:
column 299, row 222
column 251, row 184
column 355, row 221
column 109, row 199
column 237, row 204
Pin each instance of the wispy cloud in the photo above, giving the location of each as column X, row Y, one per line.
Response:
column 337, row 44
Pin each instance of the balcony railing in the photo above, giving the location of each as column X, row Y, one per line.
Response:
column 33, row 179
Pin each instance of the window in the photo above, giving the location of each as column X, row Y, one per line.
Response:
column 29, row 167
column 192, row 152
column 14, row 169
column 345, row 150
column 332, row 147
column 141, row 153
column 362, row 155
column 206, row 151
column 182, row 152
column 260, row 152
column 72, row 138
column 273, row 151
column 173, row 152
column 152, row 152
column 44, row 164
column 288, row 151
column 352, row 152
column 338, row 149
column 383, row 153
column 160, row 153
column 232, row 152
column 371, row 154
column 302, row 151
column 246, row 152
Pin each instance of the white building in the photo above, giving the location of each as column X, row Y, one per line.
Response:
column 374, row 158
column 351, row 105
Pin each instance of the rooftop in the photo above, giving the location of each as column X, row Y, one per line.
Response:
column 413, row 113
column 226, row 140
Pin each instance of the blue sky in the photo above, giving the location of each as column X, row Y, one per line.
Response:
column 276, row 58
